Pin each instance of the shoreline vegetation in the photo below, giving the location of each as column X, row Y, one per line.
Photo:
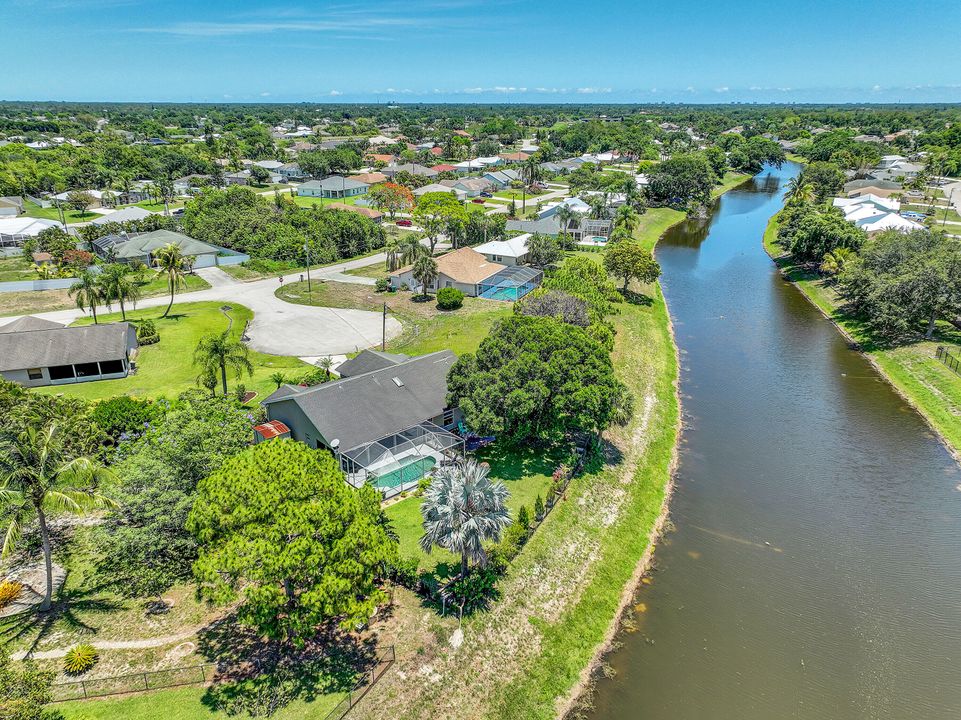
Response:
column 925, row 384
column 565, row 596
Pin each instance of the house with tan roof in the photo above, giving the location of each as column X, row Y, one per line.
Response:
column 463, row 269
column 370, row 213
column 370, row 178
column 379, row 157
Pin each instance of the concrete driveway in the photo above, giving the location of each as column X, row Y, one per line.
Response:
column 278, row 327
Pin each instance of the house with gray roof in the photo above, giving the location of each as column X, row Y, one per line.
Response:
column 369, row 360
column 140, row 247
column 333, row 186
column 127, row 214
column 393, row 169
column 35, row 352
column 387, row 426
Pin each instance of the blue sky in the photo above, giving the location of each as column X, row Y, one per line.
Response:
column 482, row 51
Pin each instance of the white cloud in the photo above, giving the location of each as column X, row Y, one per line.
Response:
column 336, row 92
column 722, row 89
column 265, row 94
column 593, row 90
column 690, row 89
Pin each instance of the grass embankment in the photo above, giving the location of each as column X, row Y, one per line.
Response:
column 426, row 329
column 36, row 301
column 17, row 267
column 167, row 369
column 561, row 594
column 185, row 703
column 926, row 383
column 729, row 181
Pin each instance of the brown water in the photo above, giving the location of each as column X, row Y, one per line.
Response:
column 815, row 570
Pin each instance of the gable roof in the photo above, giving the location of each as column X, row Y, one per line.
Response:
column 545, row 226
column 141, row 245
column 465, row 266
column 334, row 182
column 514, row 247
column 25, row 225
column 364, row 408
column 368, row 361
column 63, row 346
column 126, row 214
column 370, row 178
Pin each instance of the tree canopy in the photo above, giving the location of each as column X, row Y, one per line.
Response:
column 278, row 526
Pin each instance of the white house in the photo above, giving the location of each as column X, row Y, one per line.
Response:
column 437, row 187
column 333, row 186
column 512, row 251
column 888, row 221
column 882, row 203
column 13, row 231
column 574, row 203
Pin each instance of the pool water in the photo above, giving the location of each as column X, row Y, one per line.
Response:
column 411, row 472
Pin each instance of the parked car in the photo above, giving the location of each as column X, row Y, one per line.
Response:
column 404, row 223
column 486, row 194
column 479, row 200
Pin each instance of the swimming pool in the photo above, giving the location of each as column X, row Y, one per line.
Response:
column 411, row 472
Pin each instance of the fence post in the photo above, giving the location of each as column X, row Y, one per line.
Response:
column 83, row 686
column 203, row 673
column 146, row 683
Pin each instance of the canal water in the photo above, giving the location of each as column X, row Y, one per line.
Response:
column 815, row 568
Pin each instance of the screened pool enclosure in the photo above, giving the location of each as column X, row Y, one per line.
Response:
column 396, row 462
column 512, row 283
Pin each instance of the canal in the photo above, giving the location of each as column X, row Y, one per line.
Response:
column 815, row 566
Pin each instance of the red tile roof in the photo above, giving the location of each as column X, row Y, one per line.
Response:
column 437, row 151
column 444, row 168
column 271, row 429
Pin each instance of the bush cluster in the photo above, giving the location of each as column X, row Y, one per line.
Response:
column 449, row 298
column 79, row 659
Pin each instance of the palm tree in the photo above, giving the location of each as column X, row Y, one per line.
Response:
column 799, row 190
column 216, row 352
column 565, row 216
column 325, row 364
column 424, row 271
column 174, row 264
column 530, row 171
column 626, row 217
column 279, row 378
column 117, row 283
column 88, row 292
column 835, row 261
column 393, row 249
column 411, row 249
column 36, row 479
column 462, row 508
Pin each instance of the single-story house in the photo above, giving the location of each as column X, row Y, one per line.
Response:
column 512, row 251
column 438, row 187
column 189, row 183
column 388, row 426
column 379, row 158
column 370, row 213
column 472, row 187
column 371, row 178
column 490, row 161
column 888, row 221
column 141, row 247
column 35, row 352
column 514, row 157
column 574, row 203
column 547, row 226
column 880, row 188
column 882, row 203
column 333, row 186
column 237, row 178
column 436, row 151
column 465, row 166
column 391, row 171
column 552, row 167
column 11, row 206
column 290, row 171
column 463, row 269
column 444, row 167
column 14, row 230
column 271, row 165
column 381, row 140
column 101, row 198
column 889, row 160
column 127, row 214
column 502, row 178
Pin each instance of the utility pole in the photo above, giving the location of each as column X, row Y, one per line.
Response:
column 307, row 250
column 947, row 207
column 383, row 330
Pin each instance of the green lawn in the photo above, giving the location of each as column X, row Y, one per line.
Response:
column 17, row 267
column 516, row 194
column 730, row 180
column 157, row 207
column 426, row 329
column 912, row 368
column 527, row 474
column 51, row 213
column 377, row 270
column 166, row 369
column 937, row 212
column 245, row 273
column 185, row 703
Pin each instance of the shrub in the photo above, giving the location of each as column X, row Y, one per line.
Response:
column 147, row 333
column 474, row 591
column 124, row 414
column 79, row 659
column 382, row 284
column 240, row 391
column 524, row 517
column 539, row 508
column 423, row 484
column 403, row 571
column 9, row 591
column 449, row 298
column 512, row 541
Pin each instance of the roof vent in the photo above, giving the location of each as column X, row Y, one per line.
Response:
column 397, row 381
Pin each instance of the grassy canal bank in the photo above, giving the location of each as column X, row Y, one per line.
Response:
column 924, row 382
column 531, row 655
